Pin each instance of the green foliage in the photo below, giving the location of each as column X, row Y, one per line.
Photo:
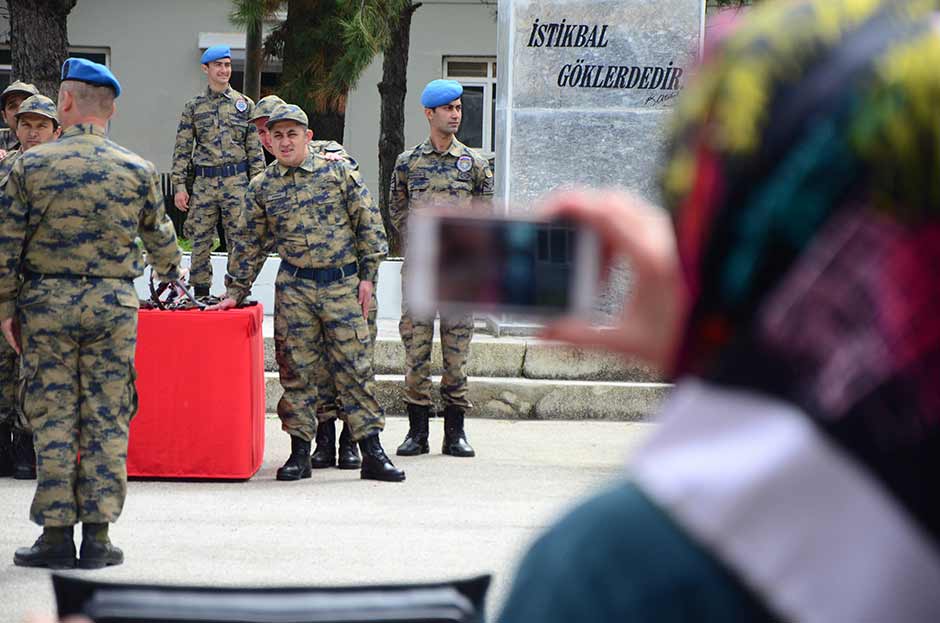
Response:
column 246, row 13
column 327, row 45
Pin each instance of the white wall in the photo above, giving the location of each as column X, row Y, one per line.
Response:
column 155, row 55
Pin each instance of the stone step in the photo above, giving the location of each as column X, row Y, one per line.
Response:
column 507, row 357
column 530, row 399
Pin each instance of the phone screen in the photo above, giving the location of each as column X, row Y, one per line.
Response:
column 500, row 264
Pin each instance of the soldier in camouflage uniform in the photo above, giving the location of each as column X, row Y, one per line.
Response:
column 10, row 101
column 439, row 169
column 215, row 135
column 36, row 123
column 73, row 210
column 325, row 454
column 330, row 238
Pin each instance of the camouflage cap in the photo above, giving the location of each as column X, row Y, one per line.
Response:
column 25, row 88
column 287, row 112
column 265, row 107
column 39, row 105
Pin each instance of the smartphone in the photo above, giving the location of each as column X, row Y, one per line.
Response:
column 460, row 263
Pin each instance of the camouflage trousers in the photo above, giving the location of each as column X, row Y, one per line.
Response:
column 320, row 335
column 328, row 407
column 77, row 391
column 213, row 198
column 417, row 335
column 9, row 381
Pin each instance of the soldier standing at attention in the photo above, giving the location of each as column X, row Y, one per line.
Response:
column 329, row 235
column 72, row 212
column 215, row 135
column 439, row 169
column 324, row 455
column 36, row 122
column 10, row 101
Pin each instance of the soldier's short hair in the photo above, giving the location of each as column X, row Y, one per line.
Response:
column 91, row 99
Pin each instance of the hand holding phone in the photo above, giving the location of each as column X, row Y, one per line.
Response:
column 461, row 262
column 655, row 308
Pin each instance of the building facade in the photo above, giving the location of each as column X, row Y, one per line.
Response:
column 153, row 46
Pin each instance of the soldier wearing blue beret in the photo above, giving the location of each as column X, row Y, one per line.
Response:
column 217, row 139
column 73, row 211
column 439, row 169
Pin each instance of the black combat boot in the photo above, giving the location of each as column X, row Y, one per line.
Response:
column 54, row 549
column 24, row 456
column 324, row 455
column 416, row 441
column 97, row 550
column 455, row 440
column 6, row 450
column 200, row 291
column 375, row 463
column 298, row 463
column 348, row 452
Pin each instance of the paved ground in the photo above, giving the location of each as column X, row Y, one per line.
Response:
column 452, row 517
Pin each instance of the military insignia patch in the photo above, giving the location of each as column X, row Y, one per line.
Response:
column 464, row 163
column 241, row 105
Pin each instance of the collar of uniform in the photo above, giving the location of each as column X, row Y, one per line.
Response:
column 307, row 165
column 225, row 93
column 455, row 149
column 83, row 128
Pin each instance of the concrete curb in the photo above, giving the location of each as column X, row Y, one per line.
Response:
column 502, row 357
column 527, row 399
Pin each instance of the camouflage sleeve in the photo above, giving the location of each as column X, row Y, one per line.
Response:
column 14, row 207
column 483, row 185
column 156, row 230
column 366, row 221
column 398, row 198
column 250, row 248
column 333, row 147
column 183, row 151
column 255, row 153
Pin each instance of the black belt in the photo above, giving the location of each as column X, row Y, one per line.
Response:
column 226, row 170
column 322, row 276
column 28, row 274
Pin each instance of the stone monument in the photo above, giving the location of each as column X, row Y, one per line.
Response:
column 584, row 93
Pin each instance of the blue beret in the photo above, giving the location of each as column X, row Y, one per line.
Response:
column 440, row 92
column 215, row 53
column 83, row 70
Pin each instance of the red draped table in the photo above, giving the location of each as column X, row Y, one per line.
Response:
column 200, row 383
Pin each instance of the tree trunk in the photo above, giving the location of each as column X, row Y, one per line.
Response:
column 39, row 42
column 392, row 90
column 254, row 61
column 328, row 126
column 297, row 75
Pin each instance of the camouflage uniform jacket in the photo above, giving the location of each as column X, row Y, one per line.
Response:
column 6, row 165
column 8, row 140
column 76, row 206
column 318, row 215
column 332, row 147
column 423, row 175
column 213, row 131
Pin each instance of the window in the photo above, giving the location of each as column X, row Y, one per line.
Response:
column 478, row 77
column 98, row 55
column 270, row 79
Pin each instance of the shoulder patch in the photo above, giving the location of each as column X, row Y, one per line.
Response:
column 464, row 163
column 241, row 105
